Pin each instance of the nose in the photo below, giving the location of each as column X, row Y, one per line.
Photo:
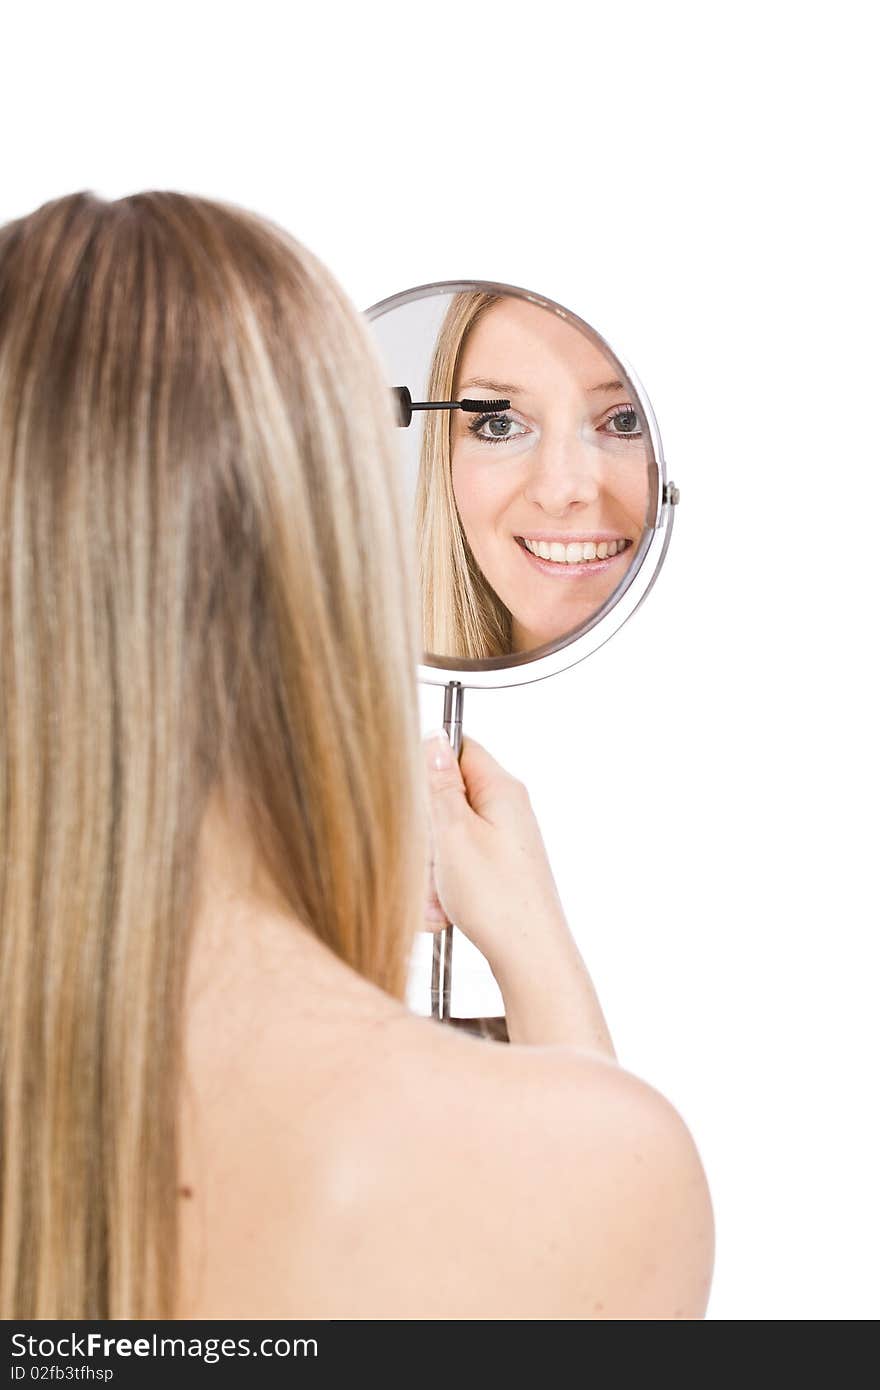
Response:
column 563, row 475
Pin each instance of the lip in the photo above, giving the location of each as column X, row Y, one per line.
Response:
column 587, row 567
column 571, row 537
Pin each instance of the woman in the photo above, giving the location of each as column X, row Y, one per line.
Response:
column 214, row 816
column 527, row 519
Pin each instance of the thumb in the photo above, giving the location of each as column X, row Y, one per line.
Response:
column 447, row 798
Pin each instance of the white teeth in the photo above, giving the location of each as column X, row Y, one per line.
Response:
column 576, row 551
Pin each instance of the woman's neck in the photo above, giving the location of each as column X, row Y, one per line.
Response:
column 246, row 938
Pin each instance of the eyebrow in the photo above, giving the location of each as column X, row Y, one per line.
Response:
column 507, row 389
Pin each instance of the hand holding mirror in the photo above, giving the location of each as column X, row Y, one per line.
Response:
column 537, row 493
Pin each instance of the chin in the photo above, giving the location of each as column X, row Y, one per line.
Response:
column 536, row 638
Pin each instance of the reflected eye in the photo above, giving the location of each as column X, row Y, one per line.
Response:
column 499, row 435
column 623, row 422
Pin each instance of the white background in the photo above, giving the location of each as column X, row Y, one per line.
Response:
column 698, row 183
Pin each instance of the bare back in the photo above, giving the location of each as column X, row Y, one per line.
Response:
column 341, row 1158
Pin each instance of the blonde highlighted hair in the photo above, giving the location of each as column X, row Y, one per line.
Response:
column 206, row 587
column 462, row 616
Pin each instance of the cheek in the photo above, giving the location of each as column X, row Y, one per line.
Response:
column 481, row 493
column 630, row 491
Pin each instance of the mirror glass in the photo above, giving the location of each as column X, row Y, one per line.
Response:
column 529, row 463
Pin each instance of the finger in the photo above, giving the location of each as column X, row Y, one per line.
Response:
column 447, row 797
column 434, row 911
column 489, row 787
column 435, row 918
column 435, row 914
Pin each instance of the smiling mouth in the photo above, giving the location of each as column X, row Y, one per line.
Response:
column 576, row 552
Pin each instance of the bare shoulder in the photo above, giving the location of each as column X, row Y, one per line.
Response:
column 346, row 1159
column 577, row 1178
column 547, row 1182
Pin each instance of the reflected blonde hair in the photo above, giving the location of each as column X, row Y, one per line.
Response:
column 206, row 586
column 462, row 615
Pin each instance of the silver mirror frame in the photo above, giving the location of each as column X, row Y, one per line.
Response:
column 525, row 667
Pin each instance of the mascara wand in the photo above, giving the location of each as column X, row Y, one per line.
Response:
column 405, row 405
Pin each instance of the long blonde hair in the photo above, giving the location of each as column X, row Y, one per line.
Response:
column 205, row 585
column 462, row 615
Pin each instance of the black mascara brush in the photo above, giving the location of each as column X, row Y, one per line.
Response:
column 405, row 405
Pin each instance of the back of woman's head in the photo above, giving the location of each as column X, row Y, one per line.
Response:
column 206, row 591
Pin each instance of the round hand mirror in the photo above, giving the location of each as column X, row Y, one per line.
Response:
column 536, row 487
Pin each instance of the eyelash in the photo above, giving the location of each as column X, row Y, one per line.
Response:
column 481, row 420
column 624, row 434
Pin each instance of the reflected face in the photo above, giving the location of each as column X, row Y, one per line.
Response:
column 552, row 493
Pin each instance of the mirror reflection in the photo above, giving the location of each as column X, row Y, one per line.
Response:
column 529, row 502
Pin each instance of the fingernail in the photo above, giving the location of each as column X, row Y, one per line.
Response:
column 440, row 754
